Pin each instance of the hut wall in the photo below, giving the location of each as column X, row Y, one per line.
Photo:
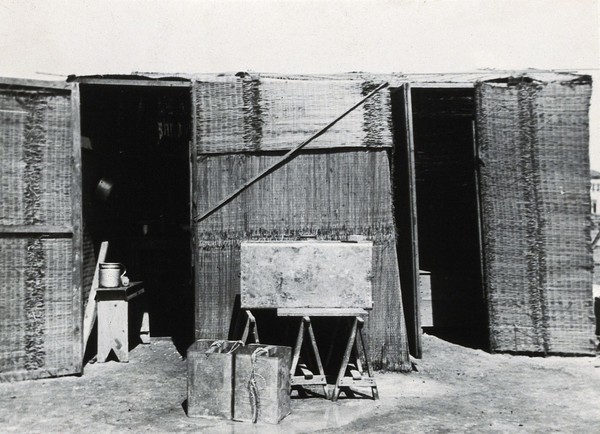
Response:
column 40, row 293
column 341, row 186
column 533, row 139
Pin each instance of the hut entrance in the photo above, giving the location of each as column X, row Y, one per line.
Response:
column 436, row 170
column 136, row 192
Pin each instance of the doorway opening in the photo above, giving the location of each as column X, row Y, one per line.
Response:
column 136, row 193
column 445, row 184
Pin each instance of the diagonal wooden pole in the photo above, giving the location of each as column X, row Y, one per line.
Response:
column 287, row 157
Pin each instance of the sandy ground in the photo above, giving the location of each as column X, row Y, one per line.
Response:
column 456, row 389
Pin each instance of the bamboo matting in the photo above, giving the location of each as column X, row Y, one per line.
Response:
column 40, row 305
column 36, row 135
column 535, row 180
column 37, row 328
column 241, row 114
column 328, row 194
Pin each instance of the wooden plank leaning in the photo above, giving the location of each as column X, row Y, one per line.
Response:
column 90, row 308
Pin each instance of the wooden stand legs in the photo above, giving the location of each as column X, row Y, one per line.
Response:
column 357, row 377
column 250, row 328
column 112, row 330
column 356, row 374
column 308, row 378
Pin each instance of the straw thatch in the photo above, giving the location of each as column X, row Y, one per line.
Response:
column 331, row 193
column 535, row 205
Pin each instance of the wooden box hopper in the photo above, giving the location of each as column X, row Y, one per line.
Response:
column 306, row 274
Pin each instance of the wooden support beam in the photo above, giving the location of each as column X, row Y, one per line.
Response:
column 317, row 311
column 55, row 85
column 133, row 82
column 36, row 230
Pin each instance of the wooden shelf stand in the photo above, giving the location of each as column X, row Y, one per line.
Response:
column 113, row 321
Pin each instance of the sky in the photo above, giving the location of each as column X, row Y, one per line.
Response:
column 47, row 39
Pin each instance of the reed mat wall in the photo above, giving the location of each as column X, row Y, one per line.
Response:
column 535, row 178
column 40, row 308
column 339, row 187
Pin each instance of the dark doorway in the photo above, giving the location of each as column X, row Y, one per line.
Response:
column 136, row 193
column 441, row 121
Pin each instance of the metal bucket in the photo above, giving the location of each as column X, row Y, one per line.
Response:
column 111, row 274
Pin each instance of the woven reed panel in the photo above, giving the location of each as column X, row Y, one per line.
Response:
column 242, row 114
column 35, row 158
column 535, row 178
column 328, row 194
column 37, row 330
column 40, row 304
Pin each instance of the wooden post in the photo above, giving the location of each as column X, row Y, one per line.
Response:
column 145, row 328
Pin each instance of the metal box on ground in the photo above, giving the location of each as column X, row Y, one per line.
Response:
column 262, row 383
column 210, row 378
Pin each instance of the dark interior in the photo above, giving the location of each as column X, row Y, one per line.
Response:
column 448, row 220
column 136, row 193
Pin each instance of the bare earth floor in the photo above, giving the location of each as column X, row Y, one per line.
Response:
column 456, row 390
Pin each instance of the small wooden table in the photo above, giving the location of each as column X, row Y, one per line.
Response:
column 113, row 320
